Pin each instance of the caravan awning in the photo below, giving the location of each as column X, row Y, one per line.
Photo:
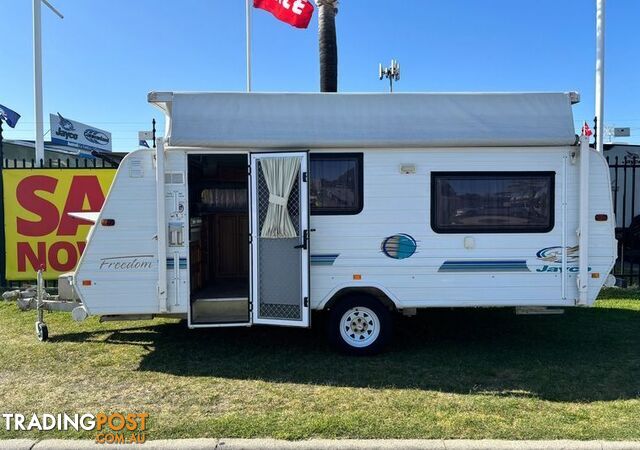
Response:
column 262, row 120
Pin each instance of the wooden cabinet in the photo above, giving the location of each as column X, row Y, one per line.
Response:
column 231, row 247
column 219, row 248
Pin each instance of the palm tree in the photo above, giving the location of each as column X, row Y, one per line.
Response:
column 327, row 10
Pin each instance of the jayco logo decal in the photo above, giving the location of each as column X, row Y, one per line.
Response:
column 66, row 129
column 553, row 255
column 66, row 124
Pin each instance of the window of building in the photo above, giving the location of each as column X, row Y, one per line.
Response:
column 492, row 202
column 335, row 183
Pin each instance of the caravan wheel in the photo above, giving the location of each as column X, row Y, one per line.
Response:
column 42, row 331
column 359, row 326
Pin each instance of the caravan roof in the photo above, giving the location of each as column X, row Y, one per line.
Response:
column 271, row 120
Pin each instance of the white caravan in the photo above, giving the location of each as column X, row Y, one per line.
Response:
column 259, row 208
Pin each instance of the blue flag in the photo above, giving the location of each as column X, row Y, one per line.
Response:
column 9, row 116
column 143, row 143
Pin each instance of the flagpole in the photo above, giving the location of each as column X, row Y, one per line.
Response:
column 37, row 74
column 3, row 281
column 248, row 37
column 37, row 80
column 600, row 74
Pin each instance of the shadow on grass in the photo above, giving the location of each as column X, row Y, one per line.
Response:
column 582, row 356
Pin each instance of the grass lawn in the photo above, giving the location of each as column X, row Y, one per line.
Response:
column 449, row 374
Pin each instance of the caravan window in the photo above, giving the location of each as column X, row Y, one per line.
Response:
column 492, row 202
column 335, row 183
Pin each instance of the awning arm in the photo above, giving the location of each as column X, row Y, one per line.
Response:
column 88, row 216
column 161, row 230
column 583, row 228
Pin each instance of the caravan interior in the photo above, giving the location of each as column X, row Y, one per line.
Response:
column 218, row 238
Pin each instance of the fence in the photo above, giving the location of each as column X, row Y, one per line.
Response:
column 625, row 187
column 61, row 163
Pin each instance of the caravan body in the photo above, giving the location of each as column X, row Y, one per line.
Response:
column 257, row 208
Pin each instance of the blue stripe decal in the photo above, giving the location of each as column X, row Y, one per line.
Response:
column 182, row 263
column 518, row 265
column 323, row 260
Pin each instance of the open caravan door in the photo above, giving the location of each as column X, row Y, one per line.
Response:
column 280, row 239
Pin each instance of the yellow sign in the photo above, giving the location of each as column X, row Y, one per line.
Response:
column 39, row 232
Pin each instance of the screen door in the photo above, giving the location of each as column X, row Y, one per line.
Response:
column 280, row 238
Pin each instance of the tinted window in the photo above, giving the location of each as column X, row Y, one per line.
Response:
column 492, row 202
column 336, row 183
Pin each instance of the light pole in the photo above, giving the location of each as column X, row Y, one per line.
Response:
column 37, row 74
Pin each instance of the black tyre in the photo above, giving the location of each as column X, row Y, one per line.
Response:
column 42, row 331
column 359, row 325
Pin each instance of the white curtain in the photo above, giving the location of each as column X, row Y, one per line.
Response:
column 280, row 175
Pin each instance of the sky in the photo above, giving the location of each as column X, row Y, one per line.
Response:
column 100, row 62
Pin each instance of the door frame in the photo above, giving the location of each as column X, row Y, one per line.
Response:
column 221, row 152
column 305, row 302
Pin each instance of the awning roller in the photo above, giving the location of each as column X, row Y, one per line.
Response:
column 257, row 120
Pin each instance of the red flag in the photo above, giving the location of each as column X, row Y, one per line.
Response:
column 586, row 131
column 294, row 12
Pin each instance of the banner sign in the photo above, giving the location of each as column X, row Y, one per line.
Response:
column 39, row 231
column 297, row 13
column 78, row 135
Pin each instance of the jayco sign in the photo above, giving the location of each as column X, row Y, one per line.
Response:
column 75, row 134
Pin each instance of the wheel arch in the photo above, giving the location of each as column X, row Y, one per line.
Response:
column 377, row 292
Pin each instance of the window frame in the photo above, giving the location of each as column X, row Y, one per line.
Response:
column 313, row 210
column 551, row 175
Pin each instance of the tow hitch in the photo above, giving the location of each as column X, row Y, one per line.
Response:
column 36, row 297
